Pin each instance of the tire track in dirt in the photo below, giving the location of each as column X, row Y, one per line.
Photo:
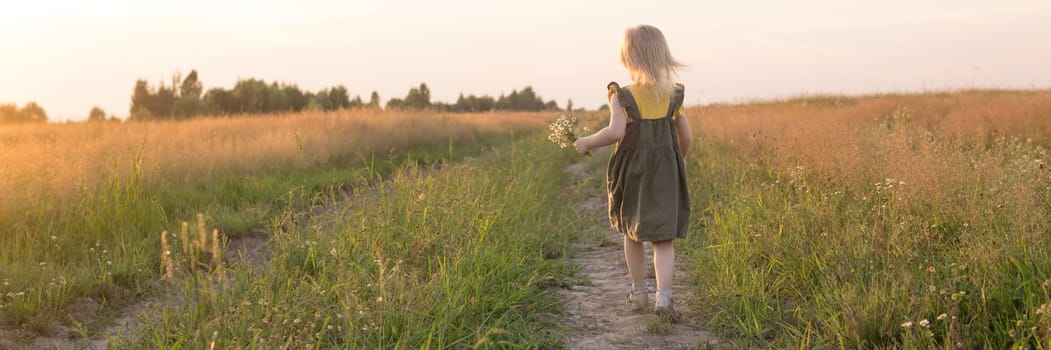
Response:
column 596, row 311
column 247, row 251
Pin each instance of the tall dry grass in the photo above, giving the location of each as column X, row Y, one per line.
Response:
column 922, row 140
column 892, row 221
column 49, row 161
column 81, row 205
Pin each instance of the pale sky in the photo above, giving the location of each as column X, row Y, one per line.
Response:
column 69, row 55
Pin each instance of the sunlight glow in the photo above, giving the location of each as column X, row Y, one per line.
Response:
column 70, row 55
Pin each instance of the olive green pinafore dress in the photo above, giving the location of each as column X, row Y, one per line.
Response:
column 646, row 175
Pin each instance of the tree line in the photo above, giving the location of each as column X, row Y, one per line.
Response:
column 184, row 97
column 30, row 113
column 524, row 100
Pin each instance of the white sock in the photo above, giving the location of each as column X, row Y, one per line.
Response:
column 638, row 288
column 663, row 297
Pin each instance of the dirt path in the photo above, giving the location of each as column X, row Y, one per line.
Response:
column 597, row 314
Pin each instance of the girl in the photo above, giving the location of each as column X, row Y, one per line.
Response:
column 646, row 175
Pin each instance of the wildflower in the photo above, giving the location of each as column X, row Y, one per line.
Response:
column 942, row 317
column 925, row 323
column 54, row 238
column 907, row 324
column 562, row 131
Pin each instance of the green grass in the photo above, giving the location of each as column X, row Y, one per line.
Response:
column 461, row 257
column 783, row 262
column 103, row 242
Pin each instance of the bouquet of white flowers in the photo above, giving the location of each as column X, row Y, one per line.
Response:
column 563, row 131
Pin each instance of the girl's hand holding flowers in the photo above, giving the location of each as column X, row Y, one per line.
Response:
column 563, row 134
column 581, row 146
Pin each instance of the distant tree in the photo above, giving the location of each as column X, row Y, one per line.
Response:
column 318, row 101
column 510, row 103
column 529, row 100
column 395, row 104
column 461, row 104
column 140, row 101
column 500, row 103
column 330, row 99
column 252, row 96
column 569, row 105
column 218, row 101
column 276, row 100
column 441, row 107
column 482, row 104
column 551, row 106
column 163, row 103
column 188, row 102
column 191, row 87
column 339, row 98
column 295, row 98
column 374, row 100
column 31, row 113
column 603, row 107
column 147, row 103
column 418, row 98
column 96, row 114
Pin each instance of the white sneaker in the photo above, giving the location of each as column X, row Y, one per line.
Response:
column 640, row 301
column 668, row 313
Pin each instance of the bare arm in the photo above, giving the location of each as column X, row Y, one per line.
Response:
column 682, row 128
column 608, row 135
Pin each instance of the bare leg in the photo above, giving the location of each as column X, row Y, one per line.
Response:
column 664, row 264
column 635, row 256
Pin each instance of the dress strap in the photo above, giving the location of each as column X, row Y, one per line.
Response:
column 677, row 97
column 627, row 100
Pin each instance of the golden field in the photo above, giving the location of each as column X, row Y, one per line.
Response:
column 49, row 161
column 886, row 221
column 82, row 205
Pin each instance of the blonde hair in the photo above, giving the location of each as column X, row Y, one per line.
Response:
column 645, row 54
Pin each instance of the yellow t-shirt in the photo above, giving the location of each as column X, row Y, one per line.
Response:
column 650, row 107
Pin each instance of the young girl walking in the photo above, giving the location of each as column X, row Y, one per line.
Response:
column 646, row 175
